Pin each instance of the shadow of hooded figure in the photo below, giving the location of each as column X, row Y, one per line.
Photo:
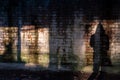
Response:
column 8, row 55
column 100, row 44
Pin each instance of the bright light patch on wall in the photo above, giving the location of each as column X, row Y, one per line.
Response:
column 43, row 40
column 28, row 38
column 8, row 35
column 35, row 41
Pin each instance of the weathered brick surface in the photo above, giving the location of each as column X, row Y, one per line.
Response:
column 55, row 41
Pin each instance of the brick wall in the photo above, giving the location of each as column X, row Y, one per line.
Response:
column 59, row 46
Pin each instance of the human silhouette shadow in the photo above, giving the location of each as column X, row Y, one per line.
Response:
column 100, row 44
column 8, row 55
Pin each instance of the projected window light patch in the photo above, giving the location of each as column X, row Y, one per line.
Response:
column 1, row 41
column 7, row 35
column 35, row 41
column 43, row 40
column 27, row 38
column 8, row 44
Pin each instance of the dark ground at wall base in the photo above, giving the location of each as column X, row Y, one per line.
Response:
column 49, row 75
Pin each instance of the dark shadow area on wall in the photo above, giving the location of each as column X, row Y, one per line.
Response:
column 8, row 55
column 60, row 36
